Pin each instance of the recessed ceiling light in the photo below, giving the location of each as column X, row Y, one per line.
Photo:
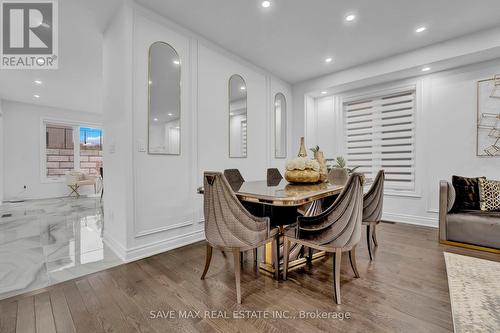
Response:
column 243, row 88
column 329, row 59
column 36, row 96
column 177, row 62
column 420, row 29
column 426, row 69
column 170, row 114
column 38, row 82
column 265, row 4
column 324, row 92
column 350, row 17
column 156, row 119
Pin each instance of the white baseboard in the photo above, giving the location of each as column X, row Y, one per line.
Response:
column 411, row 219
column 115, row 246
column 151, row 249
column 144, row 251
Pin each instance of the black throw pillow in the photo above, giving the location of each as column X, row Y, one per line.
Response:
column 467, row 193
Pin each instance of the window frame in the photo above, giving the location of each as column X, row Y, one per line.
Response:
column 381, row 90
column 76, row 125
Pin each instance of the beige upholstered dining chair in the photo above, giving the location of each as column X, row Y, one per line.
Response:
column 229, row 226
column 336, row 230
column 373, row 202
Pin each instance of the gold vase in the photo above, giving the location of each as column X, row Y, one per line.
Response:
column 302, row 150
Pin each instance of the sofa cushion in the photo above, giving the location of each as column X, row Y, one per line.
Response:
column 474, row 227
column 467, row 193
column 489, row 194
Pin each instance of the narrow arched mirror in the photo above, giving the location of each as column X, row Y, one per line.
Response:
column 279, row 126
column 237, row 117
column 164, row 112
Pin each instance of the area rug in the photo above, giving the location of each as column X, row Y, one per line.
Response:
column 474, row 293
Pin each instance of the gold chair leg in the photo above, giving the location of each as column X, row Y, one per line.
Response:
column 352, row 259
column 207, row 261
column 336, row 275
column 74, row 189
column 286, row 254
column 375, row 242
column 237, row 273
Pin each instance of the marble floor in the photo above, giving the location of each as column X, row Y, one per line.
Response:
column 43, row 242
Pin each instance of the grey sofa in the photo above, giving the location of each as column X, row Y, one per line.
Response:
column 468, row 228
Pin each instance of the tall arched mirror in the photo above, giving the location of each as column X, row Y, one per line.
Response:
column 279, row 126
column 164, row 112
column 237, row 117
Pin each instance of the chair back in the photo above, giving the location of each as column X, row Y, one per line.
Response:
column 274, row 177
column 227, row 223
column 373, row 200
column 234, row 178
column 339, row 225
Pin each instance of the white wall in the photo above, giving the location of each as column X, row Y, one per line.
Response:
column 21, row 157
column 445, row 134
column 118, row 131
column 162, row 208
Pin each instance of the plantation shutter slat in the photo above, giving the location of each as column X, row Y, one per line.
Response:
column 380, row 134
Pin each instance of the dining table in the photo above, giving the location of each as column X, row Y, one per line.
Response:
column 283, row 202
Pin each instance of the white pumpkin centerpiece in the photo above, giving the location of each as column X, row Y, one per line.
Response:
column 302, row 170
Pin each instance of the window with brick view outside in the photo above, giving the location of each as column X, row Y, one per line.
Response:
column 90, row 150
column 60, row 150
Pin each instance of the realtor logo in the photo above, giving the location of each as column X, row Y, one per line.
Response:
column 29, row 37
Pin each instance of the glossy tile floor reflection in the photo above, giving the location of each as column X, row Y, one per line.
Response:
column 43, row 242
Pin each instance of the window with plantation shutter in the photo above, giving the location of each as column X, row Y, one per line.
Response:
column 380, row 134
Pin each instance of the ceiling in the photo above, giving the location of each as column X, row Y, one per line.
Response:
column 290, row 39
column 293, row 37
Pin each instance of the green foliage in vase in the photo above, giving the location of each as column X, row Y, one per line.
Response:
column 314, row 149
column 340, row 163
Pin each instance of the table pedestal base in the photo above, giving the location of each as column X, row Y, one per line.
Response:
column 268, row 266
column 296, row 258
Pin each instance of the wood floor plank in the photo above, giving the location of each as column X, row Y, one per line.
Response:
column 102, row 307
column 62, row 314
column 107, row 289
column 8, row 316
column 44, row 317
column 82, row 320
column 26, row 315
column 154, row 297
column 404, row 289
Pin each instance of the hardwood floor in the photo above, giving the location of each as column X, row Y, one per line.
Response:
column 405, row 289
